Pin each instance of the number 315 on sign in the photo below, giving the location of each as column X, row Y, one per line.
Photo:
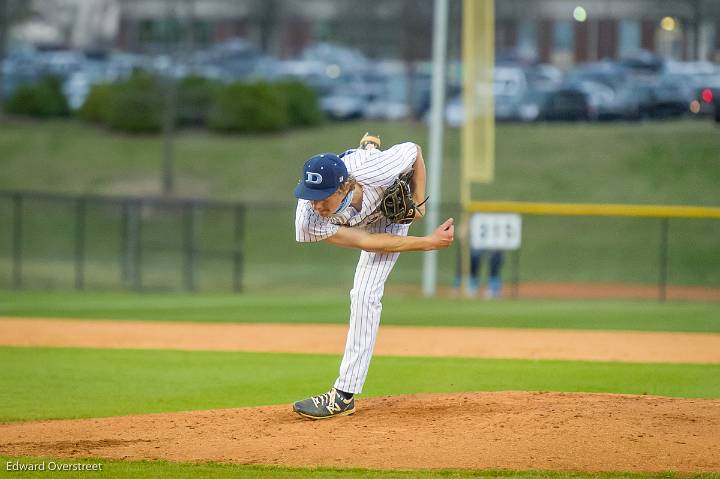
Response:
column 495, row 231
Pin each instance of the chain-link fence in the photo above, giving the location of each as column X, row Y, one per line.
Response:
column 93, row 242
column 51, row 241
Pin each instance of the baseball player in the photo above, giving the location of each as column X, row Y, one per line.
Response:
column 363, row 199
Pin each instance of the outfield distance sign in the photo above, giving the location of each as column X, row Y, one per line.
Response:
column 495, row 231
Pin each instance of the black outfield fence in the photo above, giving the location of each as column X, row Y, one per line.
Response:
column 92, row 242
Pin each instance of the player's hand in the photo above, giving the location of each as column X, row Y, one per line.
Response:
column 443, row 235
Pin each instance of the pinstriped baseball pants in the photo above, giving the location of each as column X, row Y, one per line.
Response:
column 371, row 273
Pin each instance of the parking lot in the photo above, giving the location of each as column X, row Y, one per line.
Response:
column 349, row 85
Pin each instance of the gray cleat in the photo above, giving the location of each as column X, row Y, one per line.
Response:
column 325, row 406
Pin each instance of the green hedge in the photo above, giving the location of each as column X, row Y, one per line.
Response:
column 43, row 98
column 255, row 107
column 136, row 105
column 302, row 104
column 196, row 96
column 96, row 108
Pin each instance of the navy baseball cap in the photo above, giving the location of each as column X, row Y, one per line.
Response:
column 322, row 175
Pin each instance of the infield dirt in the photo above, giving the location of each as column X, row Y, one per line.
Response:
column 626, row 346
column 514, row 430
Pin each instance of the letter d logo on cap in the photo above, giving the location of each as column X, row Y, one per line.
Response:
column 313, row 178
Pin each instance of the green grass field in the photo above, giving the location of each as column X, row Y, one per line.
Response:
column 664, row 162
column 97, row 382
column 161, row 469
column 659, row 162
column 594, row 250
column 42, row 383
column 324, row 307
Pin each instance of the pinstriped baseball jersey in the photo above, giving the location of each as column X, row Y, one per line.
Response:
column 375, row 171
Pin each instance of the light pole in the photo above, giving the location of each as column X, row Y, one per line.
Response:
column 437, row 118
column 170, row 103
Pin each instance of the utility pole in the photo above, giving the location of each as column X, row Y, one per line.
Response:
column 437, row 119
column 169, row 110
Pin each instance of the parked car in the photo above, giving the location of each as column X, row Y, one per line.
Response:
column 313, row 73
column 76, row 88
column 706, row 102
column 18, row 68
column 533, row 105
column 506, row 107
column 390, row 101
column 600, row 99
column 387, row 109
column 509, row 86
column 542, row 76
column 643, row 64
column 61, row 63
column 509, row 81
column 706, row 92
column 344, row 103
column 633, row 101
column 349, row 60
column 120, row 65
column 235, row 58
column 672, row 98
column 607, row 73
column 568, row 103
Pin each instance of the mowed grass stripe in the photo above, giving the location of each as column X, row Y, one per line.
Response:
column 326, row 308
column 39, row 383
column 153, row 469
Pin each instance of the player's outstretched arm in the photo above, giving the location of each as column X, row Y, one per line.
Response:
column 441, row 238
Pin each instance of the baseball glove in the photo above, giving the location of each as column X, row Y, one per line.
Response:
column 397, row 203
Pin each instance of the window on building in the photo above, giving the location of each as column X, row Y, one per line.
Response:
column 159, row 31
column 527, row 38
column 629, row 36
column 563, row 36
column 670, row 43
column 201, row 32
column 145, row 31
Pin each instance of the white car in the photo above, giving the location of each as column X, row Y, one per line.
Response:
column 387, row 109
column 509, row 87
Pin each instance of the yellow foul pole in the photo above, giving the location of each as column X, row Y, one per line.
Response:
column 478, row 131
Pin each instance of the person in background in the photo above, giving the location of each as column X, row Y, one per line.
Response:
column 495, row 259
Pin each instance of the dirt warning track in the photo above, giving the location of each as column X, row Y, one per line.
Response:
column 626, row 346
column 514, row 430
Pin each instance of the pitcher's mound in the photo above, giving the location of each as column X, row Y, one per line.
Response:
column 512, row 430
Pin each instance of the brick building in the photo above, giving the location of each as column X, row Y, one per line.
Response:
column 554, row 31
column 570, row 31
